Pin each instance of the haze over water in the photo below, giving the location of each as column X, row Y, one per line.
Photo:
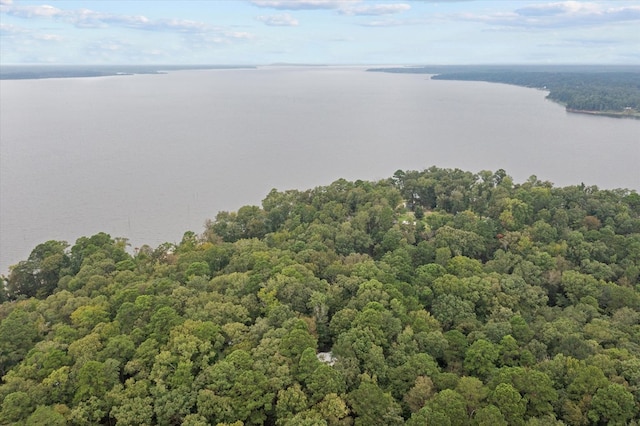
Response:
column 148, row 157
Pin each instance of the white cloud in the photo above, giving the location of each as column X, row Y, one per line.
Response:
column 560, row 14
column 8, row 29
column 303, row 4
column 49, row 37
column 108, row 46
column 284, row 20
column 559, row 8
column 384, row 23
column 86, row 18
column 28, row 45
column 375, row 9
column 173, row 25
column 239, row 35
column 44, row 11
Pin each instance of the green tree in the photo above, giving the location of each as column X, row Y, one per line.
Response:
column 535, row 387
column 38, row 276
column 96, row 378
column 290, row 401
column 373, row 406
column 134, row 411
column 489, row 416
column 323, row 381
column 333, row 409
column 18, row 333
column 613, row 405
column 481, row 357
column 449, row 406
column 419, row 394
column 510, row 403
column 15, row 407
column 46, row 416
column 473, row 392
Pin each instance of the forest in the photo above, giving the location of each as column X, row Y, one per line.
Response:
column 438, row 296
column 603, row 90
column 31, row 72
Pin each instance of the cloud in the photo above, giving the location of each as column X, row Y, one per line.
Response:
column 44, row 11
column 25, row 34
column 107, row 45
column 172, row 25
column 284, row 20
column 8, row 29
column 49, row 37
column 560, row 8
column 387, row 23
column 578, row 42
column 86, row 18
column 560, row 14
column 35, row 46
column 302, row 4
column 238, row 35
column 375, row 9
column 25, row 42
column 114, row 50
column 206, row 40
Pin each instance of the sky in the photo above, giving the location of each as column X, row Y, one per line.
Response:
column 258, row 32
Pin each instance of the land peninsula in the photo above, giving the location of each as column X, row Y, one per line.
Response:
column 598, row 90
column 431, row 297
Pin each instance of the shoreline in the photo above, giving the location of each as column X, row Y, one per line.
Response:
column 613, row 114
column 41, row 72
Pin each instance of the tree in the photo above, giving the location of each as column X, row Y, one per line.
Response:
column 535, row 387
column 419, row 394
column 38, row 276
column 295, row 343
column 324, row 381
column 333, row 409
column 481, row 358
column 290, row 401
column 234, row 390
column 521, row 326
column 510, row 403
column 449, row 406
column 373, row 406
column 489, row 416
column 452, row 310
column 404, row 376
column 16, row 406
column 613, row 405
column 460, row 242
column 46, row 416
column 473, row 393
column 18, row 333
column 133, row 405
column 96, row 378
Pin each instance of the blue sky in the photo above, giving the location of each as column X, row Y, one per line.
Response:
column 319, row 31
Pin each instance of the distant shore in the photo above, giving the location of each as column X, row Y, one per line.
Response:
column 35, row 72
column 594, row 90
column 615, row 114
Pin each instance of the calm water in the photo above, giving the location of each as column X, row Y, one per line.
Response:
column 149, row 157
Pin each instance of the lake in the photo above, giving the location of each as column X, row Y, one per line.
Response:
column 148, row 157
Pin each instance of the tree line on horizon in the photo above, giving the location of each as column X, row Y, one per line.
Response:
column 441, row 297
column 580, row 89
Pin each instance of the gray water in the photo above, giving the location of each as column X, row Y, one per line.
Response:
column 148, row 157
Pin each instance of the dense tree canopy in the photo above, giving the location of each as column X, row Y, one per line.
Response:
column 432, row 297
column 607, row 90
